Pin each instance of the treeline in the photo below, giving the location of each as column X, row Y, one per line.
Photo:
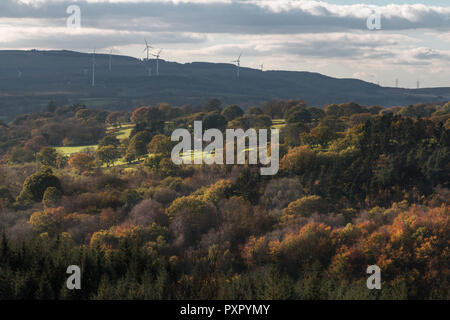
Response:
column 315, row 262
column 357, row 186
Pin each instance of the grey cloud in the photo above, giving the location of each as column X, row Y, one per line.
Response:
column 236, row 17
column 427, row 54
column 99, row 40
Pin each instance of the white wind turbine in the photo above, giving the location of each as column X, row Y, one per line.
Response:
column 262, row 67
column 238, row 64
column 147, row 48
column 157, row 61
column 93, row 69
column 110, row 58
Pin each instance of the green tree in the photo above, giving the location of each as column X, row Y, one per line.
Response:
column 214, row 120
column 130, row 198
column 51, row 107
column 35, row 185
column 232, row 112
column 212, row 105
column 301, row 115
column 109, row 140
column 147, row 114
column 6, row 199
column 254, row 110
column 52, row 197
column 108, row 154
column 21, row 155
column 306, row 206
column 138, row 144
column 321, row 135
column 160, row 144
column 48, row 156
column 316, row 113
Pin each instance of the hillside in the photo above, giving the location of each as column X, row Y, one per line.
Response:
column 30, row 79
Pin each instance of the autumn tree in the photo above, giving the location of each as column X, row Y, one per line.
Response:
column 81, row 162
column 116, row 118
column 146, row 114
column 35, row 144
column 190, row 217
column 50, row 220
column 305, row 207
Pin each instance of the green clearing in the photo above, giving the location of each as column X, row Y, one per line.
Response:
column 68, row 151
column 122, row 132
column 192, row 154
column 278, row 123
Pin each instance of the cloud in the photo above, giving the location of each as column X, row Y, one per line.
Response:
column 258, row 17
column 329, row 45
column 427, row 54
column 50, row 34
column 363, row 75
column 284, row 34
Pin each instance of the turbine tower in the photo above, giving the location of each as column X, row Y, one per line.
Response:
column 93, row 69
column 418, row 84
column 262, row 67
column 110, row 54
column 238, row 64
column 396, row 83
column 147, row 48
column 157, row 61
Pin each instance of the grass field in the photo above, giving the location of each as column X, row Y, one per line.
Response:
column 278, row 123
column 121, row 133
column 194, row 155
column 68, row 151
column 124, row 132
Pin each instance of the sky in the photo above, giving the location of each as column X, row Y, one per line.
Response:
column 411, row 43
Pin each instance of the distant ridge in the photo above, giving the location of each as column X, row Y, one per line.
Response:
column 64, row 77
